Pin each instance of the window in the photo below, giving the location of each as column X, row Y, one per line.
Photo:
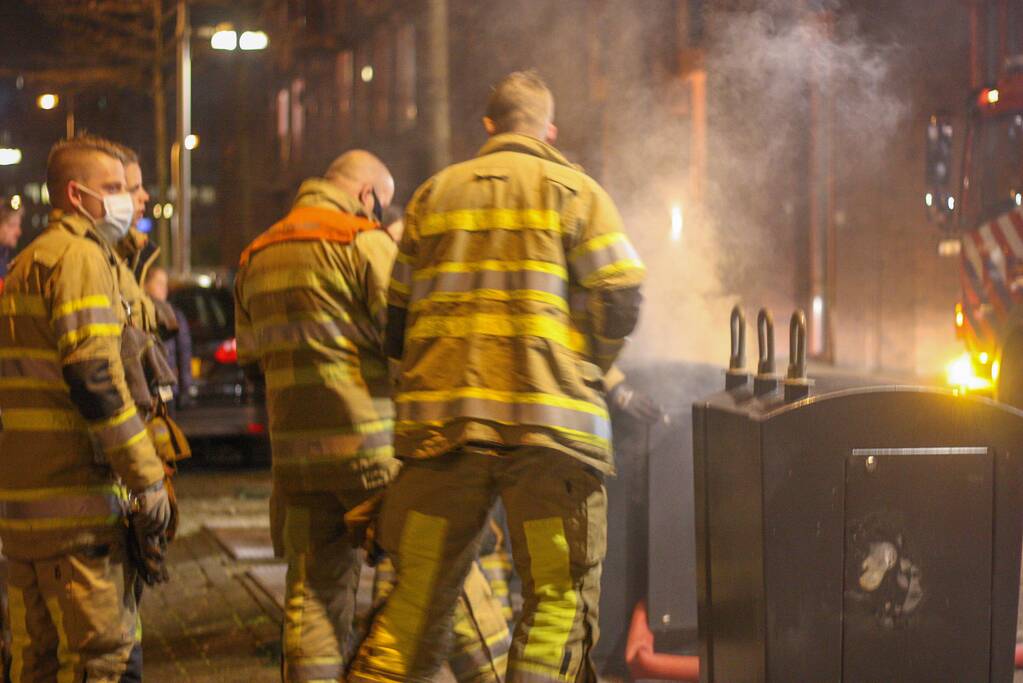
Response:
column 344, row 76
column 297, row 116
column 383, row 78
column 283, row 127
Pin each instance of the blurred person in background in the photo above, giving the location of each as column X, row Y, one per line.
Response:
column 10, row 232
column 179, row 345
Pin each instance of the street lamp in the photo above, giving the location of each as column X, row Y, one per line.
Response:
column 9, row 156
column 191, row 141
column 253, row 40
column 48, row 101
column 224, row 38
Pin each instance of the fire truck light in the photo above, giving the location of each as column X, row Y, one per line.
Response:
column 960, row 316
column 676, row 222
column 951, row 203
column 929, row 199
column 961, row 376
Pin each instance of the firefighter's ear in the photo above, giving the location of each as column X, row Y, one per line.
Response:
column 552, row 133
column 489, row 126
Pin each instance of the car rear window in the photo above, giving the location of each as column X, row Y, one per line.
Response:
column 210, row 311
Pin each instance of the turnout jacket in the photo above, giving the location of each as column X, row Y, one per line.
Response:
column 310, row 312
column 513, row 291
column 72, row 438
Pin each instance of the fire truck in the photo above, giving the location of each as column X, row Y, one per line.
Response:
column 981, row 211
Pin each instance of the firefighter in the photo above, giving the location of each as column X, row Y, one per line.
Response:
column 72, row 439
column 10, row 231
column 500, row 392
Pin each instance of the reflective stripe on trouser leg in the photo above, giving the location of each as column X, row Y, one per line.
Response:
column 479, row 653
column 557, row 520
column 433, row 542
column 323, row 574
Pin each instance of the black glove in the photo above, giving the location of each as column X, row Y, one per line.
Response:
column 634, row 403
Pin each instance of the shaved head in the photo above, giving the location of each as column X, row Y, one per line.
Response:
column 361, row 174
column 520, row 103
column 83, row 159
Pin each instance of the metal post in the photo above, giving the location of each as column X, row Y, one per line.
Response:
column 160, row 132
column 183, row 203
column 435, row 101
column 69, row 117
column 822, row 209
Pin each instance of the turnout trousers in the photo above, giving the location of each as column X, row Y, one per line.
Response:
column 322, row 579
column 431, row 524
column 74, row 618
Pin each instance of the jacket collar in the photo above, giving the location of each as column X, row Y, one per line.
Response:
column 322, row 193
column 80, row 226
column 524, row 144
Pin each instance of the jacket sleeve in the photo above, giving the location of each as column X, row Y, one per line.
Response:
column 602, row 261
column 377, row 251
column 399, row 293
column 82, row 299
column 244, row 336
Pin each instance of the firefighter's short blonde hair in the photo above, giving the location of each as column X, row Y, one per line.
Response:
column 68, row 158
column 521, row 102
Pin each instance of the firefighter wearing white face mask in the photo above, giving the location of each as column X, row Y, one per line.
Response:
column 73, row 444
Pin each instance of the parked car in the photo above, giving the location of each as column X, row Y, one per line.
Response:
column 224, row 418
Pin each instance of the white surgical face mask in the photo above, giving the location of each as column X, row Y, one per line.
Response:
column 119, row 210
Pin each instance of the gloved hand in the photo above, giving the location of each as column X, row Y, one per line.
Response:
column 153, row 509
column 634, row 403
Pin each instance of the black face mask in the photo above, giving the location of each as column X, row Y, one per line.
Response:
column 378, row 208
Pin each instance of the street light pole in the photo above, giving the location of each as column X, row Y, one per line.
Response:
column 183, row 212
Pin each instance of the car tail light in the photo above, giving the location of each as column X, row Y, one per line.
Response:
column 227, row 352
column 256, row 428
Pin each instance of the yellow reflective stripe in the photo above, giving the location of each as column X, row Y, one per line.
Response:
column 327, row 375
column 407, row 259
column 31, row 495
column 86, row 331
column 42, row 420
column 31, row 383
column 288, row 346
column 281, row 280
column 116, row 420
column 66, row 659
column 399, row 287
column 441, row 395
column 20, row 639
column 129, row 443
column 598, row 242
column 372, row 427
column 394, row 641
column 94, row 301
column 23, row 304
column 551, row 576
column 490, row 219
column 477, row 266
column 623, row 267
column 56, row 523
column 477, row 295
column 284, row 463
column 24, row 353
column 546, row 327
column 406, row 427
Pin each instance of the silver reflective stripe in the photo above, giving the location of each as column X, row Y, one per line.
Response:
column 316, row 446
column 35, row 368
column 85, row 316
column 491, row 279
column 63, row 507
column 587, row 263
column 500, row 411
column 402, row 272
column 301, row 334
column 315, row 672
column 116, row 436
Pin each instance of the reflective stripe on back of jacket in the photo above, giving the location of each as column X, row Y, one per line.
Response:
column 503, row 273
column 311, row 314
column 69, row 423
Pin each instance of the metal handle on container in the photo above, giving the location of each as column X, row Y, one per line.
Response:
column 737, row 376
column 797, row 386
column 766, row 381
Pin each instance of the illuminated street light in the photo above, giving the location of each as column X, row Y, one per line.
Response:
column 9, row 156
column 366, row 74
column 224, row 38
column 158, row 211
column 253, row 40
column 48, row 101
column 168, row 210
column 191, row 141
column 16, row 202
column 676, row 222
